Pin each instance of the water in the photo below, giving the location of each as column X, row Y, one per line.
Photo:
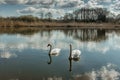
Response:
column 25, row 56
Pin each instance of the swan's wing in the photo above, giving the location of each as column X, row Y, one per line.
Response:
column 76, row 53
column 55, row 51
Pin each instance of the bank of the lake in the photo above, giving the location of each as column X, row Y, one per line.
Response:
column 58, row 25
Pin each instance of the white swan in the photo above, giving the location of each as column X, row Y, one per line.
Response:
column 74, row 54
column 54, row 51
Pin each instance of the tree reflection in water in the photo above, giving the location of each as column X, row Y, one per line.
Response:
column 86, row 34
column 25, row 43
column 80, row 34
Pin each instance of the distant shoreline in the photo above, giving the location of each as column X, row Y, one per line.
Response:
column 59, row 25
column 28, row 30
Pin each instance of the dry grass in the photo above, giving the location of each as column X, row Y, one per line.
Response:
column 46, row 24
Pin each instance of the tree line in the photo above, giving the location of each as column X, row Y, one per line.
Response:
column 79, row 15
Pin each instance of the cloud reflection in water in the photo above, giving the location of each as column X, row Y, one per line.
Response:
column 61, row 39
column 105, row 73
column 7, row 55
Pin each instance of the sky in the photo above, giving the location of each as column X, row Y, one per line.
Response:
column 57, row 7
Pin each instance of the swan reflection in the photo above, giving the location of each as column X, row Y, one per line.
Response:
column 50, row 59
column 70, row 63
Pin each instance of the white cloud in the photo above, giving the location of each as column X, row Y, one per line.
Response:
column 33, row 10
column 7, row 55
column 41, row 2
column 105, row 73
column 104, row 1
column 93, row 4
column 64, row 6
column 28, row 10
column 15, row 1
column 54, row 78
column 116, row 6
column 54, row 6
column 40, row 42
column 70, row 3
column 2, row 2
column 92, row 46
column 112, row 5
column 30, row 2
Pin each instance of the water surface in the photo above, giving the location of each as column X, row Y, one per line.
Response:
column 25, row 56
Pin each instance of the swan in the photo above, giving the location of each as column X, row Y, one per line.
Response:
column 74, row 54
column 54, row 51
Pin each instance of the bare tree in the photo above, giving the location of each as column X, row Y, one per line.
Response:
column 49, row 16
column 68, row 17
column 41, row 15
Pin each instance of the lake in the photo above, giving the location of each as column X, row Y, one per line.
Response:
column 25, row 56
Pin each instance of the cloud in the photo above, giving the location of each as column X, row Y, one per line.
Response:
column 27, row 10
column 39, row 42
column 70, row 3
column 29, row 2
column 92, row 46
column 41, row 39
column 103, row 1
column 41, row 2
column 105, row 73
column 2, row 2
column 37, row 11
column 62, row 6
column 93, row 4
column 115, row 6
column 7, row 55
column 54, row 78
column 15, row 1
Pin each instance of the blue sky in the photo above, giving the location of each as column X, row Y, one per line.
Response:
column 36, row 7
column 10, row 10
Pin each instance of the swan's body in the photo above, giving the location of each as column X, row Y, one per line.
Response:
column 74, row 54
column 54, row 51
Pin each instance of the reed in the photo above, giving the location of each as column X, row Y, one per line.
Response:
column 28, row 21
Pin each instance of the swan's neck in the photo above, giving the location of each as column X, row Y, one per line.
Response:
column 70, row 52
column 50, row 49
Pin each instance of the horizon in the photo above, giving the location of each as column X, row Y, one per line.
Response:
column 58, row 8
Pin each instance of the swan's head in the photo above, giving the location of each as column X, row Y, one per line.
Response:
column 48, row 45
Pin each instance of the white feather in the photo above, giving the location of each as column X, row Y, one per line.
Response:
column 55, row 51
column 76, row 53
